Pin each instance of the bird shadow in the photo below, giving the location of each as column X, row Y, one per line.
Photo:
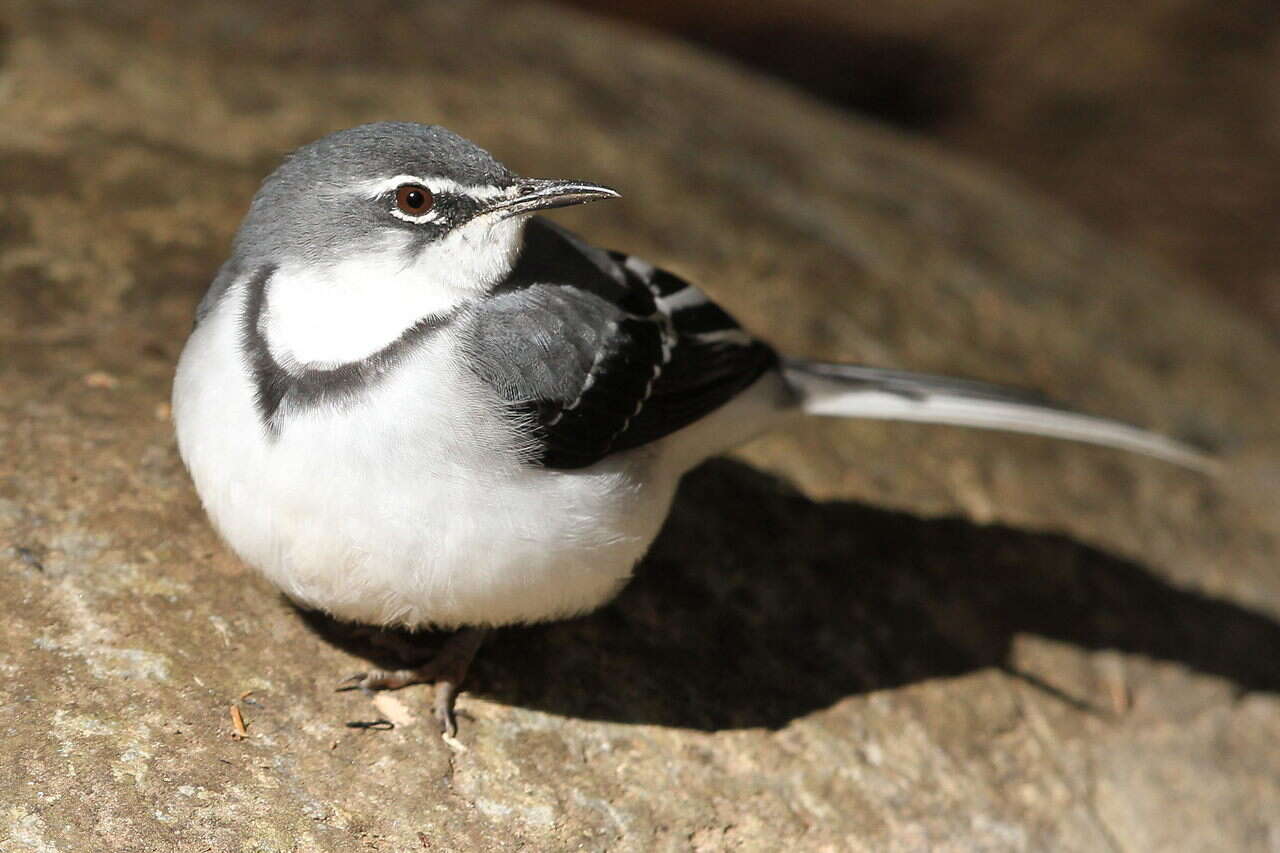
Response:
column 757, row 606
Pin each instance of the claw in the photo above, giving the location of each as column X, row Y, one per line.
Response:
column 380, row 680
column 443, row 708
column 351, row 682
column 446, row 670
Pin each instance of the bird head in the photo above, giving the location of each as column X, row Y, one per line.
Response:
column 418, row 195
column 372, row 229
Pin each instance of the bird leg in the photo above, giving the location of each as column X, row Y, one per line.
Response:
column 446, row 670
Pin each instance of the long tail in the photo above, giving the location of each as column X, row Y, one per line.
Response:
column 871, row 392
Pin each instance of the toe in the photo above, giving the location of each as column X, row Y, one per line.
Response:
column 446, row 699
column 356, row 681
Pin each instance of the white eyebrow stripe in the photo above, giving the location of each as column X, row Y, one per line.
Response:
column 436, row 185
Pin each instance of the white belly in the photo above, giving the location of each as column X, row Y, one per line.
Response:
column 390, row 512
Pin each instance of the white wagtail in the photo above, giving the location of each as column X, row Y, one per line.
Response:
column 411, row 402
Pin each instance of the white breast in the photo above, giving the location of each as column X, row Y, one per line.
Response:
column 410, row 506
column 338, row 313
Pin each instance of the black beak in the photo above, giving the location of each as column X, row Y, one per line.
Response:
column 544, row 195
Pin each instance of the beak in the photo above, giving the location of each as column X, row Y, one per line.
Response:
column 544, row 195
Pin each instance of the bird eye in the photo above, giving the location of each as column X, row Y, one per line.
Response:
column 414, row 199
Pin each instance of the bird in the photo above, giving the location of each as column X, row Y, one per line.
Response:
column 411, row 401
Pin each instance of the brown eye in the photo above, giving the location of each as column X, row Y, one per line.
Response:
column 414, row 199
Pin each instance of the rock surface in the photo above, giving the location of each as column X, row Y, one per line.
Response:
column 852, row 636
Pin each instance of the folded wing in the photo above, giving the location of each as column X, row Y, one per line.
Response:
column 597, row 353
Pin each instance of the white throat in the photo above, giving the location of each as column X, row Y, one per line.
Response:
column 339, row 313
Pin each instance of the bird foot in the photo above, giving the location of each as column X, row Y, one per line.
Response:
column 446, row 670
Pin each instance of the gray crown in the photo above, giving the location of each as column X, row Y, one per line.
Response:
column 310, row 208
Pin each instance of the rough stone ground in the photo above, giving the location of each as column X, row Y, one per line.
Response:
column 852, row 636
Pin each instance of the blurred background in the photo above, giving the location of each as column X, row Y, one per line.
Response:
column 1156, row 121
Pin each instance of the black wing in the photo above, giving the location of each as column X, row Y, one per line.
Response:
column 597, row 352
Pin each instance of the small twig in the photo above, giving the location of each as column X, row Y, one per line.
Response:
column 376, row 725
column 239, row 730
